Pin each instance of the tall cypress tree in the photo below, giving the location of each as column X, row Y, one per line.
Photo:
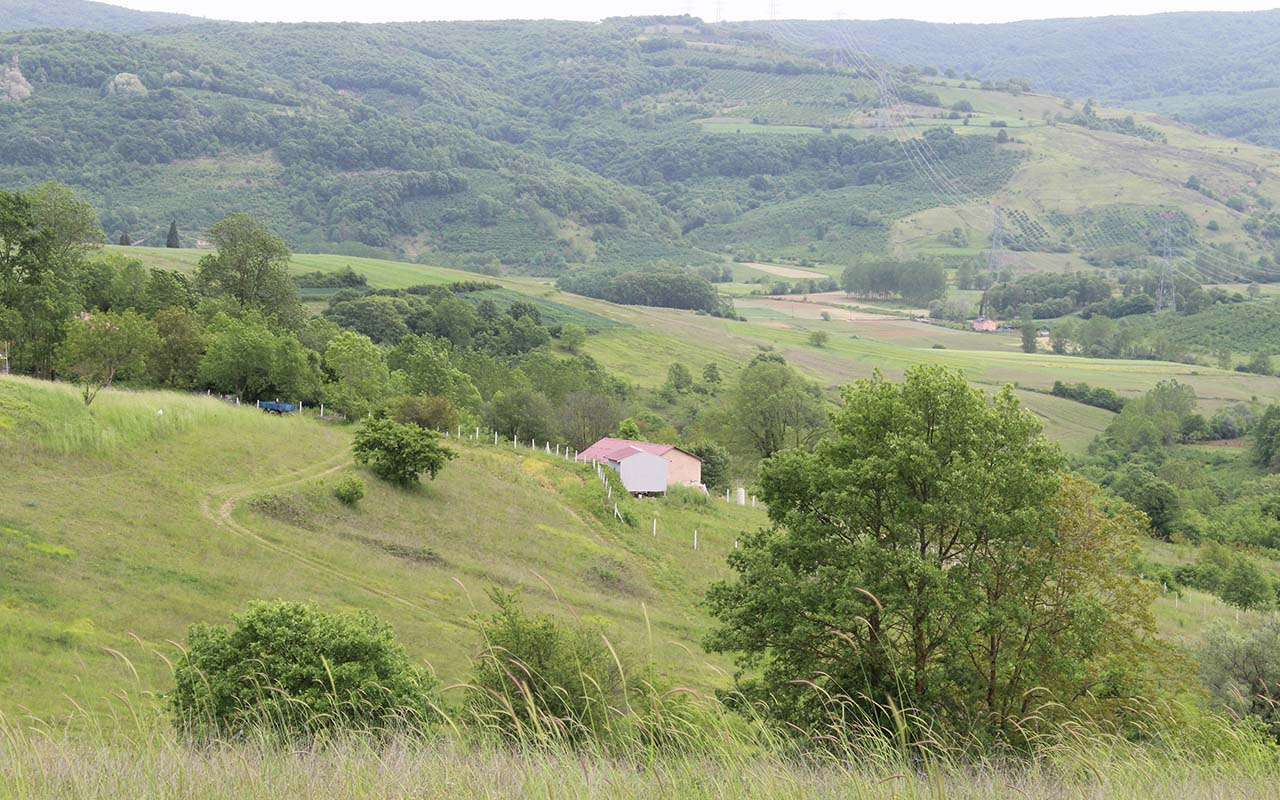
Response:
column 172, row 240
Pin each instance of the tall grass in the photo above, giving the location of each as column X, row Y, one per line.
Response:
column 643, row 743
column 118, row 419
column 134, row 754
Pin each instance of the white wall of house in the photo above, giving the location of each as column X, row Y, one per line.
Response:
column 642, row 472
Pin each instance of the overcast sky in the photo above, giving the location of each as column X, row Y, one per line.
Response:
column 710, row 10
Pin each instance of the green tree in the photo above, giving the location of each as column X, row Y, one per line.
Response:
column 711, row 375
column 773, row 407
column 1223, row 356
column 362, row 381
column 399, row 453
column 585, row 417
column 429, row 367
column 1029, row 336
column 38, row 290
column 1241, row 669
column 175, row 359
column 572, row 337
column 99, row 347
column 166, row 288
column 1260, row 364
column 629, row 429
column 819, row 338
column 679, row 379
column 128, row 284
column 1266, row 439
column 245, row 357
column 250, row 265
column 290, row 668
column 1156, row 498
column 172, row 239
column 69, row 218
column 715, row 464
column 931, row 554
column 1245, row 586
column 521, row 412
column 380, row 318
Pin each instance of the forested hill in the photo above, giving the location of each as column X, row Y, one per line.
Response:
column 84, row 15
column 635, row 143
column 1217, row 69
column 531, row 144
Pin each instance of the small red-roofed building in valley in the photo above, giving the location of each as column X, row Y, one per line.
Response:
column 646, row 467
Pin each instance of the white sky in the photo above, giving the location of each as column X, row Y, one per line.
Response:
column 710, row 10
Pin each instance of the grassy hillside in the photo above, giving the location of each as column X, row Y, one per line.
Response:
column 121, row 526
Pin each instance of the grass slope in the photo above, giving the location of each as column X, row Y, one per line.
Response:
column 121, row 526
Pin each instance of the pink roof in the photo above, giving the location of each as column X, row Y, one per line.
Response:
column 608, row 449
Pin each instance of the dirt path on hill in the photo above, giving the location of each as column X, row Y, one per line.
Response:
column 219, row 506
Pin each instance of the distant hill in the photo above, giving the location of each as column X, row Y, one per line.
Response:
column 634, row 144
column 84, row 15
column 1214, row 68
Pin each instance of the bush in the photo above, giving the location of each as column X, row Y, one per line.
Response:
column 433, row 411
column 295, row 670
column 349, row 490
column 399, row 453
column 687, row 497
column 537, row 678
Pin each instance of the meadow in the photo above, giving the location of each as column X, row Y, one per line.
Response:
column 122, row 526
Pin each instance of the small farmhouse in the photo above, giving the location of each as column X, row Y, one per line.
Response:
column 646, row 467
column 984, row 324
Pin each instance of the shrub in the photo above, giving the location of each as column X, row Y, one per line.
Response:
column 433, row 411
column 294, row 670
column 687, row 497
column 399, row 453
column 537, row 678
column 349, row 490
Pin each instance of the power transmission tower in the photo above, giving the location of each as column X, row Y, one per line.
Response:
column 1166, row 291
column 994, row 255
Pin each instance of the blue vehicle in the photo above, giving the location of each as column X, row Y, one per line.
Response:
column 277, row 407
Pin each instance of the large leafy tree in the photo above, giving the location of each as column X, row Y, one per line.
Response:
column 931, row 553
column 98, row 347
column 429, row 368
column 251, row 265
column 70, row 219
column 362, row 381
column 175, row 359
column 246, row 357
column 38, row 291
column 773, row 407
